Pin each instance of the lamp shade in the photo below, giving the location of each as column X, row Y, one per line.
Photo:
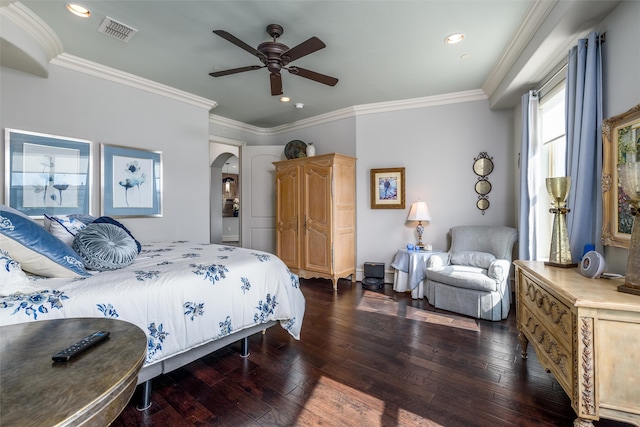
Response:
column 419, row 212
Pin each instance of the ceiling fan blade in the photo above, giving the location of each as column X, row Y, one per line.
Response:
column 233, row 39
column 305, row 48
column 276, row 84
column 312, row 75
column 235, row 70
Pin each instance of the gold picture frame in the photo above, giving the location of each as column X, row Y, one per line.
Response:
column 387, row 188
column 620, row 138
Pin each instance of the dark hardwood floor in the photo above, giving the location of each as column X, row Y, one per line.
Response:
column 365, row 358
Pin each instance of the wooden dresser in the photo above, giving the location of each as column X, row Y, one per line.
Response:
column 316, row 216
column 587, row 334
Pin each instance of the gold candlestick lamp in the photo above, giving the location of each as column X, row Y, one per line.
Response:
column 560, row 253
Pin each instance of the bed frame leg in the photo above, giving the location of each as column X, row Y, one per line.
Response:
column 244, row 347
column 145, row 396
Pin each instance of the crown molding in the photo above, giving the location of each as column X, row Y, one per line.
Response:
column 533, row 19
column 225, row 140
column 356, row 110
column 35, row 27
column 427, row 101
column 111, row 74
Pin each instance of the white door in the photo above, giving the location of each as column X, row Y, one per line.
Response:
column 258, row 195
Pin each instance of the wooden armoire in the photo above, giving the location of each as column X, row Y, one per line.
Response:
column 316, row 216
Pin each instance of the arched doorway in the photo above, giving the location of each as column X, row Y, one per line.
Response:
column 224, row 217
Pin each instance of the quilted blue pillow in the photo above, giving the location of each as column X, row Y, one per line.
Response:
column 37, row 250
column 105, row 246
column 109, row 220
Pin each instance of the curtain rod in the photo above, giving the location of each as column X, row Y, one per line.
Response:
column 550, row 79
column 601, row 39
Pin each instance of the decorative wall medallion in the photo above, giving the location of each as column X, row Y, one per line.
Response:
column 483, row 166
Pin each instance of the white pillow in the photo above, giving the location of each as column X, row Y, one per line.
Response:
column 38, row 251
column 64, row 227
column 12, row 278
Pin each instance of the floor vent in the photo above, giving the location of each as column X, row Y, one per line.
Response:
column 116, row 29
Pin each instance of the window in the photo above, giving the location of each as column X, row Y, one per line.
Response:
column 552, row 134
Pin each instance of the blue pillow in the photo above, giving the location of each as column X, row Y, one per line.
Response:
column 109, row 220
column 38, row 251
column 105, row 246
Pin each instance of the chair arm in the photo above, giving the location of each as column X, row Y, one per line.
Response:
column 499, row 270
column 438, row 260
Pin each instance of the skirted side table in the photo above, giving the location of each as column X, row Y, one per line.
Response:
column 410, row 271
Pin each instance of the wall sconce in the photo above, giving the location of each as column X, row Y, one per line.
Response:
column 419, row 212
column 629, row 176
column 227, row 184
column 227, row 180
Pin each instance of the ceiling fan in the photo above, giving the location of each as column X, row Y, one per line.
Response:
column 276, row 56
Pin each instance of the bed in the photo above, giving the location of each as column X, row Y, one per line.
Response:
column 189, row 298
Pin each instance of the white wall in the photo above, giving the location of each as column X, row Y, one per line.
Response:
column 436, row 146
column 74, row 104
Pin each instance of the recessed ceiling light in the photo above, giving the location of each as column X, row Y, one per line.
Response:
column 454, row 38
column 78, row 10
column 285, row 99
column 299, row 105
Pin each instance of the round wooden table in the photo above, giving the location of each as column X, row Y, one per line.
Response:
column 93, row 388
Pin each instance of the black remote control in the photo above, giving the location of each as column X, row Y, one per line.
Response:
column 84, row 344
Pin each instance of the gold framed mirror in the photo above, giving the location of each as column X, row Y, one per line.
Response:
column 621, row 143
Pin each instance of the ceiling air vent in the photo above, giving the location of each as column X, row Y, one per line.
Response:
column 117, row 30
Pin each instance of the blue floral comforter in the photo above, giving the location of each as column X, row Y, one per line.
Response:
column 182, row 294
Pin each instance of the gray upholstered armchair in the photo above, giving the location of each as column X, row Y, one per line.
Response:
column 473, row 277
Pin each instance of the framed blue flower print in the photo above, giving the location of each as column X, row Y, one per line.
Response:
column 47, row 173
column 131, row 182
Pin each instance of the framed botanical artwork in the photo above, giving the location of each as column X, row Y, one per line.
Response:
column 47, row 173
column 387, row 188
column 621, row 140
column 131, row 182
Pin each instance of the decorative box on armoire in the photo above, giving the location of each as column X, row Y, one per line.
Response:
column 316, row 216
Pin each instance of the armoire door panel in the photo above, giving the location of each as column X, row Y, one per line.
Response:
column 288, row 217
column 318, row 258
column 287, row 248
column 317, row 195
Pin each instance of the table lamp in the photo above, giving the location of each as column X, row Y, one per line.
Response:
column 629, row 177
column 419, row 212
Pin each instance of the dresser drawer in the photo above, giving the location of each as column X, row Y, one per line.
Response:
column 550, row 311
column 551, row 352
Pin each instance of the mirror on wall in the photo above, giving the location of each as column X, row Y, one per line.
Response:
column 230, row 186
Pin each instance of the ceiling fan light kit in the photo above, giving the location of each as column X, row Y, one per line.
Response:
column 275, row 57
